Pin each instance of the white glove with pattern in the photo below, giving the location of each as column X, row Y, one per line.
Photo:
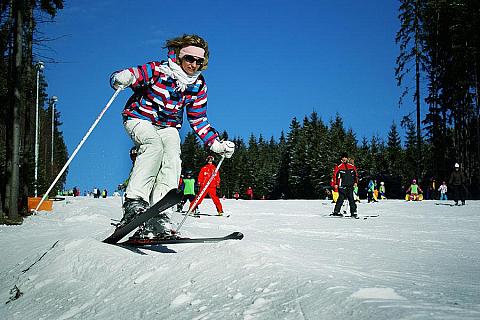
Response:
column 223, row 147
column 123, row 79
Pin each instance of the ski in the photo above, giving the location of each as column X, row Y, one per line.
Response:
column 449, row 204
column 170, row 199
column 140, row 242
column 350, row 217
column 198, row 215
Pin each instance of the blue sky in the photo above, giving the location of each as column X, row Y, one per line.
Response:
column 270, row 61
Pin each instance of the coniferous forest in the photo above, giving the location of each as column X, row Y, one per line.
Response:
column 437, row 68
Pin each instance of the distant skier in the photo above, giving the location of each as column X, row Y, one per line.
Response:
column 443, row 191
column 205, row 173
column 457, row 183
column 152, row 117
column 188, row 187
column 344, row 178
column 371, row 192
column 415, row 191
column 382, row 191
column 249, row 193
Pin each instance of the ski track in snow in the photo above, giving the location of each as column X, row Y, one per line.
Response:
column 415, row 261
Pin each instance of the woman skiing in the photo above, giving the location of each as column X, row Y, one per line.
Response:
column 152, row 117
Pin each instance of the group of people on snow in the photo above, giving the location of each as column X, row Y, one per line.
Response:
column 152, row 117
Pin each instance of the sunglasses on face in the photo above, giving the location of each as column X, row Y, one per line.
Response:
column 192, row 59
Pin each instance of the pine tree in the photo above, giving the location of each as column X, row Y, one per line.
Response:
column 394, row 151
column 410, row 38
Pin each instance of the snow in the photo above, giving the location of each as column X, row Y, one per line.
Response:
column 417, row 260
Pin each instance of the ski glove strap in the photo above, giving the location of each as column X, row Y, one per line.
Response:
column 223, row 147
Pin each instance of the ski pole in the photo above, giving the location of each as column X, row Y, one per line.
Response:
column 200, row 194
column 79, row 146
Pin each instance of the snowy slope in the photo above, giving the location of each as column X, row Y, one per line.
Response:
column 415, row 261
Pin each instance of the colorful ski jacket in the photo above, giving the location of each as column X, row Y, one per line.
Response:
column 156, row 99
column 345, row 175
column 205, row 174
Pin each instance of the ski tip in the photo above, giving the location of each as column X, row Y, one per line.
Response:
column 237, row 235
column 109, row 241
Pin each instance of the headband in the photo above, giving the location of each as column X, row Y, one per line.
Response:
column 192, row 51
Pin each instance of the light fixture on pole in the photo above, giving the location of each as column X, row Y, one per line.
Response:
column 54, row 100
column 39, row 67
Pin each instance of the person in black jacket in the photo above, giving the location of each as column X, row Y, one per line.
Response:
column 345, row 177
column 457, row 183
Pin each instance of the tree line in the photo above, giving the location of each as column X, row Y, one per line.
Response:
column 21, row 78
column 299, row 165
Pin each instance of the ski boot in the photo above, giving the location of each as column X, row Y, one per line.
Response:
column 336, row 214
column 132, row 208
column 156, row 228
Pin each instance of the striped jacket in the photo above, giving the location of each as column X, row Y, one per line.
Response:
column 155, row 99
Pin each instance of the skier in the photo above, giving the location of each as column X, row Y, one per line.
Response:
column 443, row 191
column 153, row 116
column 133, row 157
column 334, row 190
column 355, row 193
column 344, row 178
column 205, row 173
column 249, row 193
column 457, row 183
column 375, row 191
column 371, row 191
column 381, row 190
column 415, row 191
column 188, row 187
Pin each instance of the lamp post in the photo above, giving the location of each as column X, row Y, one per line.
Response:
column 39, row 67
column 54, row 100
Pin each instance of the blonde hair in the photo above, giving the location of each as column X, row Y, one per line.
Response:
column 188, row 40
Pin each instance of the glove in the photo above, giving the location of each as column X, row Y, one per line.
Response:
column 123, row 79
column 223, row 147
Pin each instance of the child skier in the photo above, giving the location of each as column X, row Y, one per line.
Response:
column 381, row 190
column 371, row 191
column 443, row 191
column 415, row 191
column 188, row 187
column 152, row 117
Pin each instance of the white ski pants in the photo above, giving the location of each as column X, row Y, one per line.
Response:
column 158, row 166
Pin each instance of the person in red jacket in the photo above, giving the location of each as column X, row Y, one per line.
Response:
column 249, row 193
column 205, row 173
column 345, row 177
